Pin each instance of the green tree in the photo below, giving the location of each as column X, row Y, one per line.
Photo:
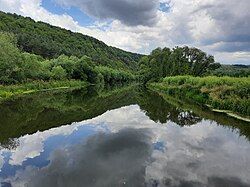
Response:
column 10, row 59
column 178, row 61
column 58, row 73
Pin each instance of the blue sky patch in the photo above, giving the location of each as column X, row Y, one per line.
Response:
column 79, row 16
column 164, row 7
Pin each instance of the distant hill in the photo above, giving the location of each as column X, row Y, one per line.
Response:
column 241, row 66
column 236, row 70
column 50, row 42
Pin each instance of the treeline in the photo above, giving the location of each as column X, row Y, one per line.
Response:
column 21, row 67
column 177, row 61
column 50, row 42
column 232, row 71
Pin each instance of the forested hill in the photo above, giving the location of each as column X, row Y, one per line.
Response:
column 50, row 42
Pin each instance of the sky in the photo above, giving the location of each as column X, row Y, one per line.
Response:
column 218, row 27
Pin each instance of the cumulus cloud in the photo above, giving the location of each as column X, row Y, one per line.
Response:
column 104, row 160
column 129, row 12
column 31, row 146
column 198, row 156
column 229, row 25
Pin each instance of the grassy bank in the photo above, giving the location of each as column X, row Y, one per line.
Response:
column 9, row 91
column 221, row 93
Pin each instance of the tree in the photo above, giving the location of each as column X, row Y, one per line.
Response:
column 178, row 61
column 32, row 67
column 58, row 73
column 10, row 59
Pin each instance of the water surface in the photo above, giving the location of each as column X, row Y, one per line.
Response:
column 120, row 137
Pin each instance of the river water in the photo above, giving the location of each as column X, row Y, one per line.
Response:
column 125, row 136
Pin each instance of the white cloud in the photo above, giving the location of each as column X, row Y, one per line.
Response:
column 31, row 146
column 198, row 152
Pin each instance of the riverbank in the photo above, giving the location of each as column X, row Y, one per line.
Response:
column 10, row 91
column 228, row 94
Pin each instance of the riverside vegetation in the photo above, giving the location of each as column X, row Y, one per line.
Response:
column 22, row 72
column 37, row 56
column 185, row 73
column 224, row 93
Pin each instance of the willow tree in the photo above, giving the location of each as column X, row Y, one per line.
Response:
column 177, row 61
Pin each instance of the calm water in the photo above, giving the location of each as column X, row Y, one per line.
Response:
column 119, row 137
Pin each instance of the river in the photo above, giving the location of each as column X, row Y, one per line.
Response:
column 126, row 136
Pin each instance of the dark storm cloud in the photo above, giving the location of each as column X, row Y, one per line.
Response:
column 104, row 160
column 129, row 12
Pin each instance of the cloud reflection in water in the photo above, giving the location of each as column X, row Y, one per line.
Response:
column 126, row 148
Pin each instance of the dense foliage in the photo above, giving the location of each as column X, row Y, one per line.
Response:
column 21, row 67
column 113, row 76
column 50, row 42
column 226, row 93
column 178, row 61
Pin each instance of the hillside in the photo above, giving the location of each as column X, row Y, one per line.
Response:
column 50, row 42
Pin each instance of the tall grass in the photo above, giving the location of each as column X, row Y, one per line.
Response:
column 225, row 93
